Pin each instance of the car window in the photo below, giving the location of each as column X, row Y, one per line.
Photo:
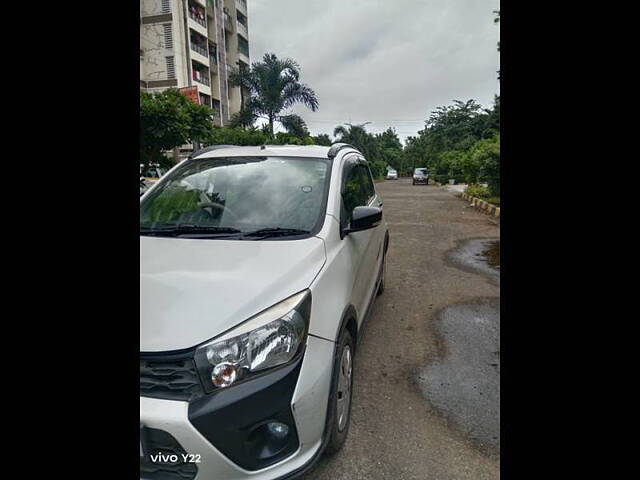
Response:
column 357, row 190
column 368, row 181
column 243, row 193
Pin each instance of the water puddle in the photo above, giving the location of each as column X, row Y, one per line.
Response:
column 464, row 385
column 478, row 255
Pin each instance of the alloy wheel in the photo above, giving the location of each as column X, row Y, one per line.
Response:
column 344, row 387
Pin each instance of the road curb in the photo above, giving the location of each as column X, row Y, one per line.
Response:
column 482, row 205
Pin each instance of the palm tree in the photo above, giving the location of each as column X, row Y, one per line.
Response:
column 274, row 86
column 355, row 135
column 358, row 136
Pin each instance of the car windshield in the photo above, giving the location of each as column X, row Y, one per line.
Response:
column 238, row 195
column 420, row 171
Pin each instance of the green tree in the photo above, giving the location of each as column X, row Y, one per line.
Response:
column 459, row 140
column 295, row 125
column 322, row 139
column 169, row 119
column 486, row 153
column 449, row 128
column 274, row 86
column 364, row 141
column 390, row 149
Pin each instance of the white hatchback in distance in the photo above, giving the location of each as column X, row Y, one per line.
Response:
column 258, row 269
column 392, row 174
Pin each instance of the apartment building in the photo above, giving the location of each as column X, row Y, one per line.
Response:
column 195, row 43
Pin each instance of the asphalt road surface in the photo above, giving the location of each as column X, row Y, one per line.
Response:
column 426, row 388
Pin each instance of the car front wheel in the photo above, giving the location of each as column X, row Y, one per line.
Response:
column 340, row 403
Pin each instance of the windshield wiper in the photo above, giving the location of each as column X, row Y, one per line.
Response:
column 276, row 232
column 188, row 229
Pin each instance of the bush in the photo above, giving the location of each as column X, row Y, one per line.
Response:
column 237, row 136
column 444, row 178
column 441, row 178
column 477, row 191
column 487, row 154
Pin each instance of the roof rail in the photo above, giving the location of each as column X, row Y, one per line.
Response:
column 209, row 149
column 336, row 147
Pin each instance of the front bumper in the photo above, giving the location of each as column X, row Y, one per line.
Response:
column 212, row 430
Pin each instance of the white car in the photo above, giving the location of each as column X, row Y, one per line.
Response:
column 258, row 269
column 392, row 174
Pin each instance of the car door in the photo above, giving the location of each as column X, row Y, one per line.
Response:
column 375, row 249
column 355, row 193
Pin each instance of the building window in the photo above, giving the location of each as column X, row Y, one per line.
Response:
column 213, row 53
column 242, row 19
column 171, row 68
column 165, row 6
column 205, row 99
column 168, row 36
column 243, row 46
column 200, row 73
column 198, row 43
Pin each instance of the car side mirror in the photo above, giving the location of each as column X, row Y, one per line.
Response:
column 363, row 218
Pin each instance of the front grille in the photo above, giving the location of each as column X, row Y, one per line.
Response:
column 170, row 377
column 159, row 442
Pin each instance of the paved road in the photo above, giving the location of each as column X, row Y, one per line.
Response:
column 396, row 431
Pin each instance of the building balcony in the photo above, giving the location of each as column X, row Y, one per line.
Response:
column 242, row 6
column 198, row 20
column 243, row 51
column 203, row 79
column 200, row 74
column 201, row 50
column 243, row 30
column 197, row 14
column 243, row 46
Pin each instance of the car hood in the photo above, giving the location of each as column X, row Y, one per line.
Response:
column 193, row 290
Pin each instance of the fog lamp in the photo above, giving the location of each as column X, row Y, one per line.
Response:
column 278, row 430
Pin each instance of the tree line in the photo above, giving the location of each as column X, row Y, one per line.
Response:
column 460, row 141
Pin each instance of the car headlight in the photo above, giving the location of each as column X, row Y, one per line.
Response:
column 267, row 340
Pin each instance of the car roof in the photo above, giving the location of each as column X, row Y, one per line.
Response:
column 311, row 151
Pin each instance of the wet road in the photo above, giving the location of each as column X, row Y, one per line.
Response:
column 402, row 427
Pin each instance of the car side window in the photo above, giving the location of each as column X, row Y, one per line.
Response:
column 357, row 190
column 368, row 179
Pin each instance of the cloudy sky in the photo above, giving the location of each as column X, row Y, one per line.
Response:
column 388, row 62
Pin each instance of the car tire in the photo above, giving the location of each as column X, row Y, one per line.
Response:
column 414, row 182
column 342, row 386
